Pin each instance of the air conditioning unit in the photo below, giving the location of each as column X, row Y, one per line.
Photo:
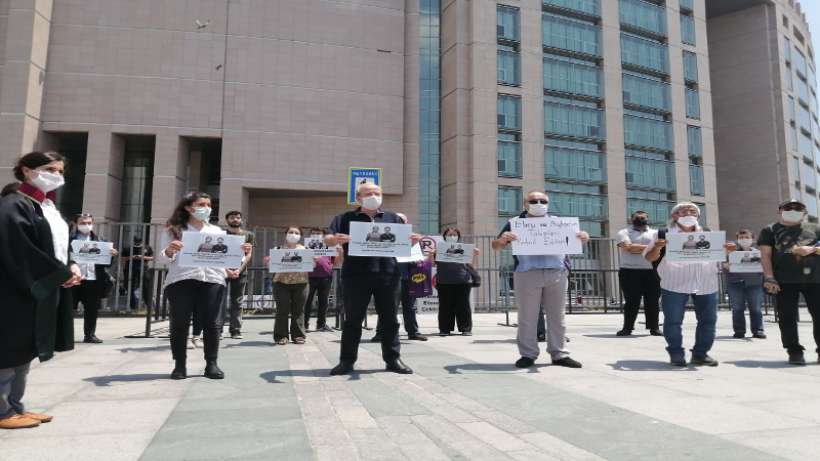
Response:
column 502, row 120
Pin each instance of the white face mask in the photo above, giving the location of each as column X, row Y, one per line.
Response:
column 371, row 202
column 47, row 181
column 745, row 243
column 451, row 239
column 688, row 221
column 202, row 213
column 85, row 228
column 293, row 237
column 538, row 209
column 792, row 216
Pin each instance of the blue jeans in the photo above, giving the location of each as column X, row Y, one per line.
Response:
column 674, row 306
column 742, row 295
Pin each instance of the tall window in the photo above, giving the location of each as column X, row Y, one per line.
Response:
column 647, row 131
column 572, row 76
column 571, row 35
column 509, row 200
column 429, row 115
column 645, row 91
column 644, row 54
column 508, row 23
column 695, row 143
column 138, row 179
column 687, row 29
column 509, row 155
column 509, row 112
column 577, row 119
column 509, row 45
column 643, row 16
column 692, row 103
column 690, row 66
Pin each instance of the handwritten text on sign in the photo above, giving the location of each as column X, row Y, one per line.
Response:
column 546, row 236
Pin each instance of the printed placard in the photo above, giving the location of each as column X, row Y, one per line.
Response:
column 206, row 249
column 377, row 239
column 696, row 246
column 317, row 244
column 455, row 252
column 745, row 261
column 416, row 254
column 88, row 252
column 546, row 236
column 287, row 260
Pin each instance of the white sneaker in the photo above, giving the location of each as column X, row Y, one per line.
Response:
column 194, row 342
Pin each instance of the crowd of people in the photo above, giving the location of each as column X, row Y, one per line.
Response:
column 41, row 285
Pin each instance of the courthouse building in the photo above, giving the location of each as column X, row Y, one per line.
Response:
column 464, row 105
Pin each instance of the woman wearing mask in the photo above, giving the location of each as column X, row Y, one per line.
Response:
column 746, row 289
column 290, row 292
column 35, row 274
column 453, row 282
column 319, row 282
column 193, row 289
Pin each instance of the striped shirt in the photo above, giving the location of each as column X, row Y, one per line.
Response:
column 699, row 278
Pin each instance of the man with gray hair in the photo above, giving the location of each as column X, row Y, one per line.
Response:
column 681, row 281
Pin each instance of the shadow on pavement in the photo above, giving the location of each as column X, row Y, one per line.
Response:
column 493, row 341
column 272, row 376
column 490, row 367
column 646, row 365
column 103, row 381
column 125, row 350
column 248, row 344
column 614, row 336
column 762, row 364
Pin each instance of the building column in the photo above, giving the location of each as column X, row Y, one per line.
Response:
column 170, row 172
column 103, row 174
column 21, row 87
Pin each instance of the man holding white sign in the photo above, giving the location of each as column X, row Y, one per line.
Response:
column 540, row 245
column 369, row 273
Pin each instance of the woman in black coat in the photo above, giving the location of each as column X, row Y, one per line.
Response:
column 35, row 274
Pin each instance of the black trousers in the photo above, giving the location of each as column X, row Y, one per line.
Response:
column 454, row 307
column 237, row 291
column 358, row 290
column 319, row 288
column 187, row 297
column 637, row 284
column 88, row 293
column 787, row 306
column 408, row 309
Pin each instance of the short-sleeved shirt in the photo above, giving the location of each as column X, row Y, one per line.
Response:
column 700, row 278
column 364, row 265
column 525, row 263
column 789, row 267
column 639, row 237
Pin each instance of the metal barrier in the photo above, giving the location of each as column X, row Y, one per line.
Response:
column 138, row 283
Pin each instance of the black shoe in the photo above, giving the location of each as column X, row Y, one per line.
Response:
column 466, row 333
column 797, row 358
column 624, row 332
column 524, row 362
column 397, row 366
column 542, row 338
column 376, row 339
column 343, row 368
column 444, row 333
column 739, row 335
column 759, row 335
column 705, row 361
column 417, row 338
column 567, row 362
column 212, row 370
column 179, row 370
column 677, row 361
column 655, row 332
column 92, row 340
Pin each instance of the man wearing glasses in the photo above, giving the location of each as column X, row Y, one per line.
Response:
column 539, row 281
column 791, row 266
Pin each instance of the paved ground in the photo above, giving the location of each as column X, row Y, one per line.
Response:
column 466, row 401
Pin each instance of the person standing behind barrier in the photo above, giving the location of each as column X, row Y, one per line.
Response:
column 365, row 278
column 679, row 282
column 35, row 275
column 791, row 267
column 237, row 286
column 193, row 289
column 745, row 289
column 539, row 280
column 96, row 280
column 137, row 272
column 453, row 283
column 290, row 289
column 319, row 284
column 636, row 275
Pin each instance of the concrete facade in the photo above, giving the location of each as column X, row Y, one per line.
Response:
column 757, row 101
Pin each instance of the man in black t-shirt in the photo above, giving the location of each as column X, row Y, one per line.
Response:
column 791, row 266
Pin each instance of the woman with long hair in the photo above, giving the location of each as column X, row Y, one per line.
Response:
column 35, row 275
column 290, row 291
column 453, row 283
column 193, row 289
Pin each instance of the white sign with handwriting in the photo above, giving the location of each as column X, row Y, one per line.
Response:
column 546, row 236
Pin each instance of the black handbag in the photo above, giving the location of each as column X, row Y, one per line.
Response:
column 476, row 279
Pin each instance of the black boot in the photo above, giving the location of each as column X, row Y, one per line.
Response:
column 397, row 366
column 179, row 370
column 212, row 370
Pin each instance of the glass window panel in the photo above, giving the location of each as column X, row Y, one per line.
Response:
column 644, row 53
column 509, row 158
column 509, row 66
column 582, row 206
column 509, row 200
column 803, row 118
column 646, row 132
column 646, row 92
column 570, row 76
column 799, row 63
column 572, row 35
column 807, row 175
column 802, row 91
column 573, row 120
column 688, row 5
column 789, row 79
column 692, row 103
column 696, row 180
column 687, row 29
column 694, row 141
column 787, row 49
column 658, row 210
column 790, row 104
column 643, row 15
column 690, row 66
column 811, row 204
column 509, row 112
column 573, row 164
column 507, row 25
column 590, row 7
column 648, row 173
column 804, row 145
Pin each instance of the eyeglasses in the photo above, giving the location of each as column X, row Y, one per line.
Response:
column 794, row 208
column 535, row 202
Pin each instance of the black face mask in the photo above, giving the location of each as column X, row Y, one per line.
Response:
column 640, row 221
